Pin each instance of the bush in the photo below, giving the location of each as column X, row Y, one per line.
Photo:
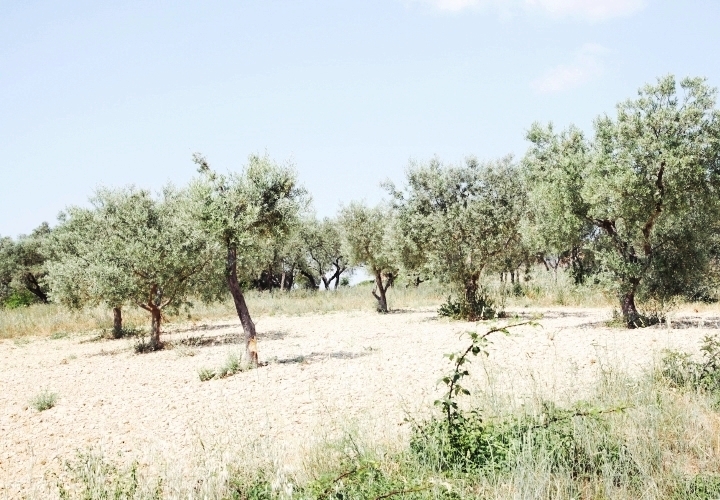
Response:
column 44, row 400
column 478, row 307
column 22, row 298
column 575, row 441
column 682, row 371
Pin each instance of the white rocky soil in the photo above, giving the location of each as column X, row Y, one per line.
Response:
column 324, row 374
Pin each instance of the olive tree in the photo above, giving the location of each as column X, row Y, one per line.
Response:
column 323, row 260
column 645, row 191
column 555, row 227
column 131, row 249
column 245, row 213
column 457, row 221
column 368, row 241
column 22, row 266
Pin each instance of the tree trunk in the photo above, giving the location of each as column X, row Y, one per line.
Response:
column 311, row 279
column 629, row 311
column 241, row 306
column 117, row 322
column 471, row 288
column 155, row 328
column 156, row 316
column 382, row 298
column 33, row 286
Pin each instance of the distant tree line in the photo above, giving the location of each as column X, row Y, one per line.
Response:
column 634, row 209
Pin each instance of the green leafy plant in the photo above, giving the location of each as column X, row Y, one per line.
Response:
column 683, row 371
column 206, row 374
column 20, row 298
column 233, row 364
column 478, row 306
column 465, row 441
column 700, row 487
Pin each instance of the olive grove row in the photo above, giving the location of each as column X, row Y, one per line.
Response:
column 635, row 208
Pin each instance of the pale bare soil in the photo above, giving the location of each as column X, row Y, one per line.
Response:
column 325, row 374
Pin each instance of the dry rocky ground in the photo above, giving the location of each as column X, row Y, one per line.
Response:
column 325, row 374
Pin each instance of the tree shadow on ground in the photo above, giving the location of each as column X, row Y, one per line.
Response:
column 315, row 357
column 556, row 314
column 712, row 323
column 203, row 327
column 228, row 338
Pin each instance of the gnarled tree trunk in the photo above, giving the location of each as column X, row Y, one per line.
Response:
column 33, row 286
column 241, row 306
column 156, row 317
column 117, row 321
column 382, row 289
column 627, row 305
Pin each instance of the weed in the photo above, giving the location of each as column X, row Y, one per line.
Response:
column 463, row 441
column 682, row 371
column 206, row 374
column 700, row 487
column 146, row 344
column 233, row 364
column 58, row 335
column 44, row 400
column 479, row 306
column 90, row 476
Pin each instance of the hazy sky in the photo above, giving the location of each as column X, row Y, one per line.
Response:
column 112, row 93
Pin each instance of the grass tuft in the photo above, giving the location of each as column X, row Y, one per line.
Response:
column 44, row 400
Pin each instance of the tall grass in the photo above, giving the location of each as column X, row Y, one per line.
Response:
column 50, row 319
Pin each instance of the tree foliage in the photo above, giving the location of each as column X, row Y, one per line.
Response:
column 644, row 192
column 22, row 268
column 368, row 242
column 132, row 249
column 456, row 221
column 322, row 259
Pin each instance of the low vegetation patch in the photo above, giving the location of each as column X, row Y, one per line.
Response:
column 44, row 400
column 233, row 364
column 473, row 307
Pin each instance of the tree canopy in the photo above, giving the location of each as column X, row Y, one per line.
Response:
column 368, row 242
column 22, row 267
column 132, row 249
column 456, row 221
column 644, row 192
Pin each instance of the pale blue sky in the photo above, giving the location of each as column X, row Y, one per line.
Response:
column 111, row 93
